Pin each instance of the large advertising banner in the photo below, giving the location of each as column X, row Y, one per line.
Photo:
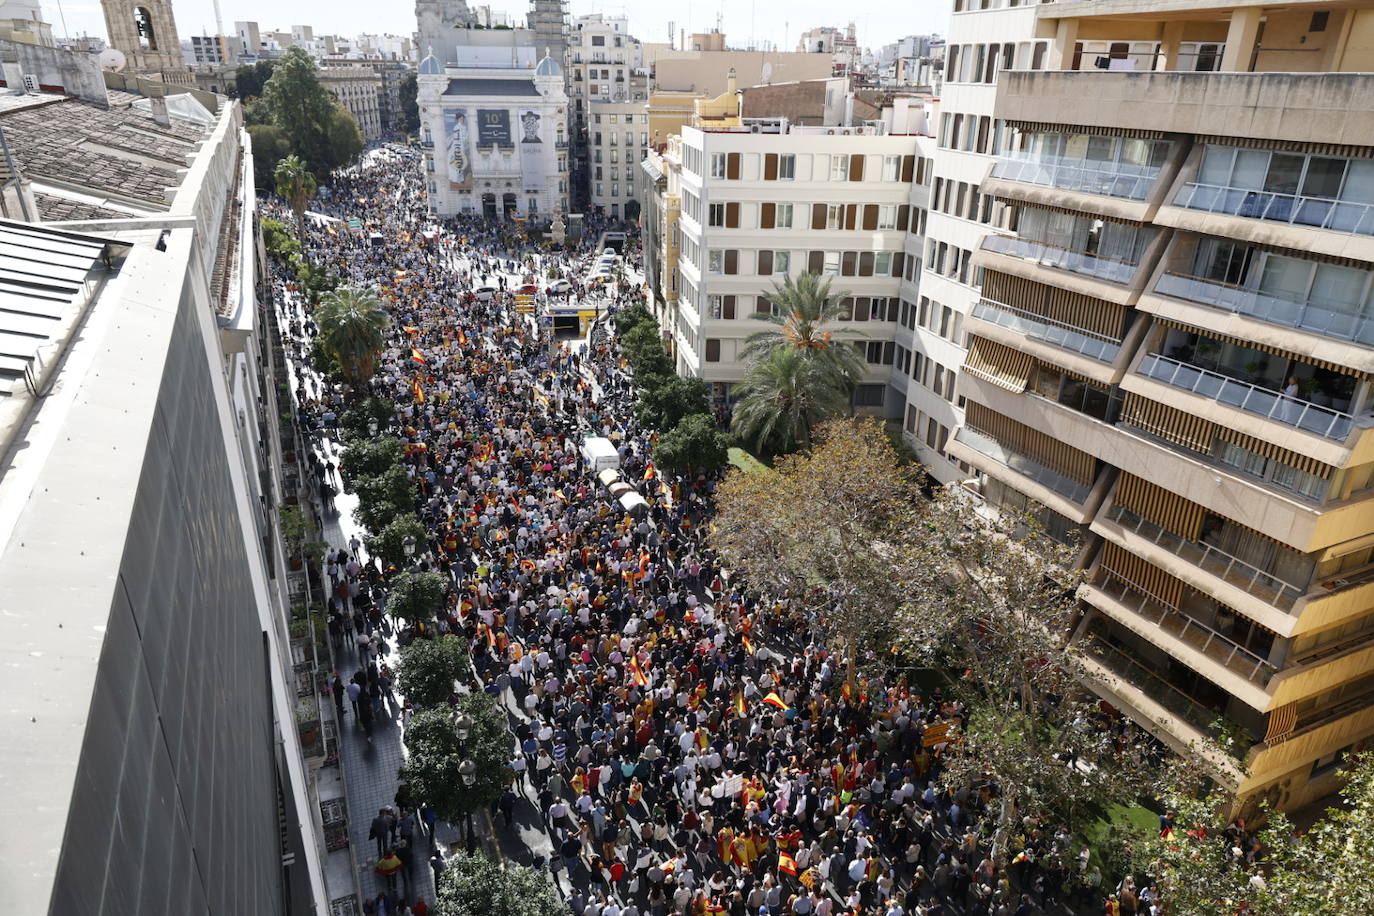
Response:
column 531, row 151
column 493, row 127
column 458, row 158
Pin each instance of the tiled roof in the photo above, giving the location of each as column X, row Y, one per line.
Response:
column 55, row 209
column 118, row 152
column 488, row 87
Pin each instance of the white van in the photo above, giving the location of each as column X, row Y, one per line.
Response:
column 634, row 504
column 600, row 454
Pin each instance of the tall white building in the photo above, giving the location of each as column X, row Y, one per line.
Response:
column 608, row 89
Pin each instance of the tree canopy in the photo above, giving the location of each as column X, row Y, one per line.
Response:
column 428, row 668
column 415, row 596
column 353, row 327
column 307, row 117
column 784, row 394
column 474, row 885
column 694, row 443
column 410, row 105
column 436, row 754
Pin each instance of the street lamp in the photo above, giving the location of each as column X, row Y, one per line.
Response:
column 408, row 545
column 372, row 427
column 462, row 726
column 468, row 771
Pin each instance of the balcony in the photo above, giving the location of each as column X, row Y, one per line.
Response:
column 986, row 445
column 1227, row 663
column 1232, row 570
column 1295, row 210
column 1047, row 330
column 1079, row 262
column 1263, row 402
column 1107, row 178
column 1329, row 319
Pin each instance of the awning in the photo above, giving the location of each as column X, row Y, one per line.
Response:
column 1265, row 348
column 999, row 364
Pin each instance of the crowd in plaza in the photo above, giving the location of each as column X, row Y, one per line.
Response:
column 690, row 747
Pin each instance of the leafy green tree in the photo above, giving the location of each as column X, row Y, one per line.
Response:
column 783, row 396
column 371, row 457
column 410, row 105
column 806, row 319
column 321, row 132
column 353, row 327
column 294, row 184
column 428, row 668
column 474, row 885
column 250, row 79
column 630, row 317
column 356, row 419
column 663, row 406
column 694, row 444
column 389, row 544
column 415, row 596
column 281, row 244
column 270, row 146
column 436, row 755
column 345, row 137
column 384, row 497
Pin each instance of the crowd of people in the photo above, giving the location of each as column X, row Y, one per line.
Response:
column 690, row 747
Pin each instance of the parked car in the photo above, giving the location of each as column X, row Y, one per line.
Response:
column 485, row 293
column 529, row 289
column 559, row 288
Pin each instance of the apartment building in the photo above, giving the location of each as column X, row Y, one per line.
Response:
column 359, row 89
column 608, row 88
column 1170, row 350
column 747, row 206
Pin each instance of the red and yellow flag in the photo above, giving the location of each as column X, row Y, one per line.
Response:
column 774, row 700
column 410, row 329
column 418, row 357
column 637, row 672
column 417, row 391
column 787, row 865
column 748, row 645
column 740, row 708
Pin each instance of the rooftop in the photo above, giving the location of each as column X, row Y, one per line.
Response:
column 521, row 86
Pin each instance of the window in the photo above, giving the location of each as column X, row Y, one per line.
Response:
column 782, row 217
column 717, row 165
column 712, row 350
column 892, row 168
column 831, row 267
column 887, row 216
column 782, row 261
column 834, row 216
column 882, row 263
column 713, row 306
column 598, row 41
column 787, row 167
column 715, row 215
column 715, row 260
column 869, row 395
column 839, row 168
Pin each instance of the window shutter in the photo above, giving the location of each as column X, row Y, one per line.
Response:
column 712, row 350
column 818, row 216
column 732, row 215
column 815, row 262
column 732, row 166
column 856, row 168
column 851, row 212
column 908, row 168
column 765, row 263
column 767, row 215
column 898, row 259
column 731, row 261
column 903, row 214
column 870, row 217
column 865, row 263
column 727, row 307
column 770, row 167
column 847, row 263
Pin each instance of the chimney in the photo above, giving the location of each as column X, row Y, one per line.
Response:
column 730, row 82
column 157, row 98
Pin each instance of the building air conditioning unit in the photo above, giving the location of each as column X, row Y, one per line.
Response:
column 30, row 83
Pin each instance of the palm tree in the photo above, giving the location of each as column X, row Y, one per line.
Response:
column 805, row 312
column 353, row 327
column 295, row 184
column 782, row 397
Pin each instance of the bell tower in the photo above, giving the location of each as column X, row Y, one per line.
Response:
column 146, row 31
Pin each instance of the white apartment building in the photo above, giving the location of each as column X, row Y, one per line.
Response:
column 761, row 202
column 608, row 90
column 991, row 39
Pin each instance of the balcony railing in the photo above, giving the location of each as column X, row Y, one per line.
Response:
column 1037, row 327
column 1148, row 681
column 1113, row 179
column 1315, row 212
column 1327, row 319
column 1264, row 402
column 1233, row 570
column 1155, row 611
column 985, row 444
column 1079, row 262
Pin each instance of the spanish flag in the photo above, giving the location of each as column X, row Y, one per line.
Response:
column 416, row 390
column 748, row 646
column 740, row 709
column 787, row 865
column 417, row 356
column 462, row 338
column 561, row 495
column 410, row 329
column 649, row 472
column 774, row 700
column 638, row 673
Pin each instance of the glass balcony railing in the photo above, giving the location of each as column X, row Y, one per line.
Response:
column 1317, row 212
column 1233, row 570
column 1264, row 402
column 1113, row 179
column 985, row 444
column 1079, row 262
column 1203, row 639
column 1037, row 327
column 1334, row 320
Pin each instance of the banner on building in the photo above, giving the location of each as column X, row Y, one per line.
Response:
column 493, row 127
column 458, row 159
column 532, row 166
column 529, row 127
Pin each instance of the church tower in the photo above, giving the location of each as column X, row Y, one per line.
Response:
column 146, row 31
